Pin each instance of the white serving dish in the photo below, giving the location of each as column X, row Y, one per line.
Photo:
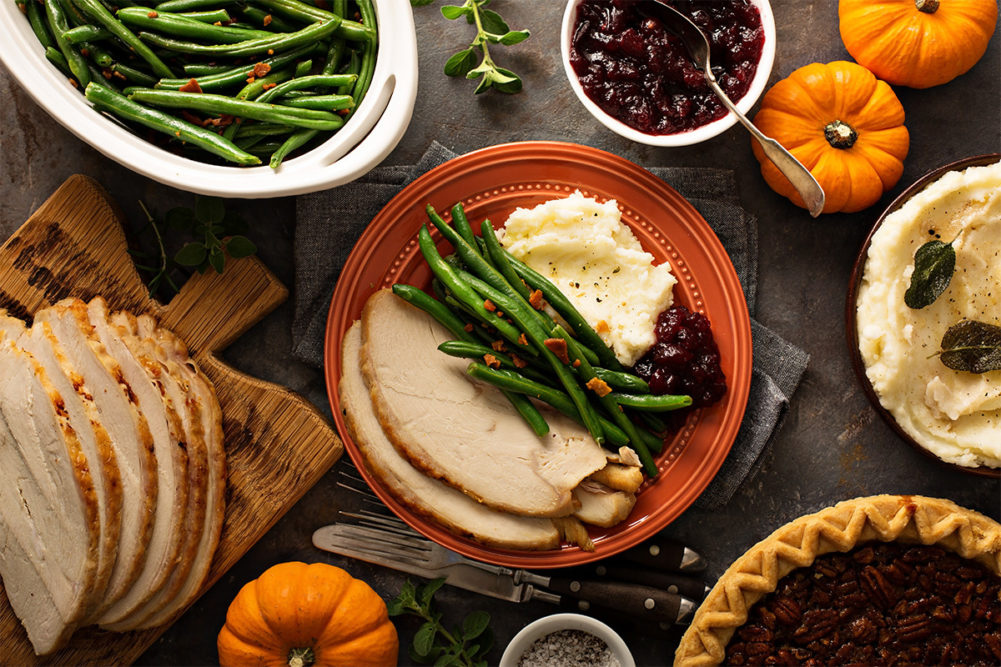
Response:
column 538, row 629
column 364, row 141
column 693, row 136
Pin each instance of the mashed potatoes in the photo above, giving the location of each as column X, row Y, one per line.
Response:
column 596, row 261
column 956, row 415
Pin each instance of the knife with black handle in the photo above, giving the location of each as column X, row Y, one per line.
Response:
column 689, row 586
column 634, row 600
column 661, row 553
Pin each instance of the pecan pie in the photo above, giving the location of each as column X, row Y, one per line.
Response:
column 878, row 580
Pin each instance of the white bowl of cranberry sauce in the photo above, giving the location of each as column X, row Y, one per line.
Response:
column 636, row 78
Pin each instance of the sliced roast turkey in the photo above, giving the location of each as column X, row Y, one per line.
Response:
column 83, row 418
column 48, row 503
column 144, row 375
column 119, row 413
column 602, row 506
column 462, row 432
column 422, row 494
column 172, row 352
column 177, row 393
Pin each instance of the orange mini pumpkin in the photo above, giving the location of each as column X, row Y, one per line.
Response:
column 844, row 125
column 917, row 43
column 297, row 615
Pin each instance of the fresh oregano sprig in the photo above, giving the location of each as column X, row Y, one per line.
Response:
column 464, row 646
column 490, row 29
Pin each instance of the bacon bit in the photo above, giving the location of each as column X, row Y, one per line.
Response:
column 267, row 20
column 489, row 305
column 219, row 23
column 576, row 363
column 558, row 346
column 271, row 52
column 261, row 69
column 119, row 75
column 190, row 117
column 84, row 52
column 500, row 314
column 497, row 345
column 491, row 361
column 269, row 86
column 343, row 112
column 107, row 74
column 535, row 299
column 468, row 328
column 74, row 83
column 22, row 7
column 250, row 79
column 600, row 387
column 191, row 87
column 602, row 327
column 152, row 14
column 522, row 339
column 518, row 361
column 177, row 133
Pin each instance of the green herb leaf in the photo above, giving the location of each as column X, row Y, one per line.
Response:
column 972, row 346
column 240, row 246
column 473, row 626
column 492, row 22
column 394, row 607
column 217, row 259
column 460, row 63
column 514, row 37
column 424, row 639
column 506, row 81
column 192, row 254
column 934, row 264
column 420, row 3
column 452, row 12
column 428, row 590
column 180, row 219
column 209, row 210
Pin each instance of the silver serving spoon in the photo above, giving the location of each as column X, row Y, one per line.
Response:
column 698, row 50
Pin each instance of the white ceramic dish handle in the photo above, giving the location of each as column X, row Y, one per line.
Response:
column 370, row 135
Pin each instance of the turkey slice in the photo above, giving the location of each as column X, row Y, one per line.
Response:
column 83, row 418
column 422, row 494
column 460, row 431
column 602, row 506
column 178, row 393
column 172, row 352
column 48, row 503
column 143, row 374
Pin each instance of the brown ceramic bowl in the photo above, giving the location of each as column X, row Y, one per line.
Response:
column 855, row 281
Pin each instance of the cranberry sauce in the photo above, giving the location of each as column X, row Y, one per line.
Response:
column 638, row 72
column 685, row 359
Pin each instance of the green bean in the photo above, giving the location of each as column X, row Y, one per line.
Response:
column 338, row 46
column 56, row 57
column 516, row 382
column 38, row 25
column 100, row 57
column 496, row 252
column 212, row 16
column 470, row 350
column 133, row 75
column 298, row 83
column 58, row 24
column 651, row 402
column 98, row 12
column 251, row 47
column 263, row 130
column 525, row 317
column 191, row 5
column 256, row 88
column 73, row 14
column 86, row 33
column 461, row 224
column 235, row 75
column 220, row 104
column 353, row 66
column 182, row 26
column 529, row 413
column 303, row 68
column 322, row 102
column 249, row 144
column 106, row 99
column 294, row 142
column 349, row 30
column 653, row 422
column 199, row 69
column 368, row 51
column 267, row 21
column 568, row 312
column 620, row 380
column 462, row 291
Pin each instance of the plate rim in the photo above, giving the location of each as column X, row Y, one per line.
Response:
column 578, row 157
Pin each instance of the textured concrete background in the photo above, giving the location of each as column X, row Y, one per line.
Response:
column 832, row 445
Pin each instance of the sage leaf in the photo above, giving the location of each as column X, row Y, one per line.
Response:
column 972, row 346
column 934, row 264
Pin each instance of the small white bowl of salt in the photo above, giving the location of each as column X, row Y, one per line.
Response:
column 567, row 640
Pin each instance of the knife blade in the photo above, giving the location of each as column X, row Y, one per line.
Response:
column 635, row 600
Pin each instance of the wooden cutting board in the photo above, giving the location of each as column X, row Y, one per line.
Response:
column 277, row 444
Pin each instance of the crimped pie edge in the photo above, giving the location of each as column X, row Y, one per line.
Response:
column 886, row 518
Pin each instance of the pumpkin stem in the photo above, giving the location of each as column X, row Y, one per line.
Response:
column 840, row 134
column 927, row 6
column 301, row 657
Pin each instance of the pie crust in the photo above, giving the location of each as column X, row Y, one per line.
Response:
column 910, row 519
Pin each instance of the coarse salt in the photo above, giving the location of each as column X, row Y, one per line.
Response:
column 568, row 648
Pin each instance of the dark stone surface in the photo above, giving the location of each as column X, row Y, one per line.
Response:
column 832, row 445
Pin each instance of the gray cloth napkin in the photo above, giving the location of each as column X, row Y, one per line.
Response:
column 329, row 223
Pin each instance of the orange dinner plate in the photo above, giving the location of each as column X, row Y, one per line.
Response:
column 491, row 183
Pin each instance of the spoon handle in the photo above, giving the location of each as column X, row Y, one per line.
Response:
column 800, row 177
